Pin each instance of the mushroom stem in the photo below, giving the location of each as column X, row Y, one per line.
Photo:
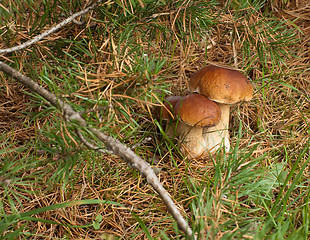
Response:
column 191, row 141
column 225, row 109
column 218, row 135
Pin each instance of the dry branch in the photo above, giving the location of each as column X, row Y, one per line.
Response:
column 113, row 145
column 50, row 31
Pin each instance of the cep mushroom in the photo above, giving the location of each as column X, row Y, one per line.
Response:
column 195, row 112
column 225, row 87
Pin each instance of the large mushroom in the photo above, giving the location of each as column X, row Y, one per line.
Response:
column 224, row 86
column 192, row 114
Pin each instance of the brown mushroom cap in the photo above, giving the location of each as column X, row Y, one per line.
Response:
column 197, row 110
column 221, row 85
column 169, row 103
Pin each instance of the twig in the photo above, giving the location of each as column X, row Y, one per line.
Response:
column 140, row 143
column 113, row 145
column 234, row 53
column 88, row 144
column 52, row 30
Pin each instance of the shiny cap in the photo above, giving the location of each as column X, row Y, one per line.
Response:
column 222, row 85
column 197, row 110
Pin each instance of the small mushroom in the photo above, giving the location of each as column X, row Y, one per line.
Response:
column 166, row 113
column 195, row 112
column 224, row 86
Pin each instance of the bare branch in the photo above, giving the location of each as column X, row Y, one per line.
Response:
column 140, row 143
column 113, row 145
column 52, row 30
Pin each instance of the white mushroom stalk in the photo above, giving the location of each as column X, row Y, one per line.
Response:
column 191, row 141
column 218, row 136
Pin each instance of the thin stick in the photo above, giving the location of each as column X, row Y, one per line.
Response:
column 235, row 54
column 48, row 32
column 113, row 145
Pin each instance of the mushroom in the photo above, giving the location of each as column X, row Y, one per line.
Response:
column 195, row 112
column 225, row 87
column 166, row 113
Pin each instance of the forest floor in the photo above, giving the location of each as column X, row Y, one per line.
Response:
column 43, row 163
